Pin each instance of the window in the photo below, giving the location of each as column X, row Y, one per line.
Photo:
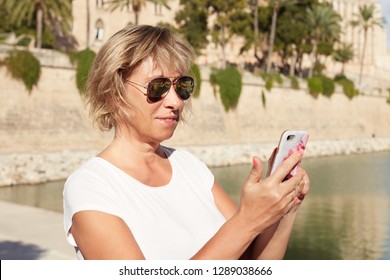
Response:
column 99, row 30
column 99, row 3
column 158, row 9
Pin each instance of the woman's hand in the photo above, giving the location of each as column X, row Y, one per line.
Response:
column 306, row 182
column 264, row 202
column 305, row 190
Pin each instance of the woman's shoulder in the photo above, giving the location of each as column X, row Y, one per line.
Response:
column 179, row 153
column 184, row 157
column 92, row 170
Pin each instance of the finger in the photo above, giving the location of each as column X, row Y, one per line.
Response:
column 289, row 202
column 306, row 187
column 295, row 183
column 287, row 165
column 305, row 182
column 255, row 173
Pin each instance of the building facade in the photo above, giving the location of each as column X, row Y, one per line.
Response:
column 95, row 22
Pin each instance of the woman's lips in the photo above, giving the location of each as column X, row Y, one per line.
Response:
column 170, row 120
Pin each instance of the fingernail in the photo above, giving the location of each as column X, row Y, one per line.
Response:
column 254, row 162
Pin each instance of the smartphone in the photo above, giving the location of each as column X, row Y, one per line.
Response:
column 290, row 142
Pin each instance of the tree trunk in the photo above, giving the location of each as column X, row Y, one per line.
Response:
column 256, row 25
column 293, row 61
column 272, row 40
column 39, row 27
column 136, row 9
column 223, row 46
column 363, row 55
column 313, row 58
column 88, row 23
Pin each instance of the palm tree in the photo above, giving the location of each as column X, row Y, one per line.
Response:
column 254, row 4
column 324, row 24
column 136, row 6
column 221, row 31
column 344, row 54
column 50, row 12
column 366, row 19
column 88, row 22
column 275, row 5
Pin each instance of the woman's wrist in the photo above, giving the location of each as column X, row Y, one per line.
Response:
column 251, row 229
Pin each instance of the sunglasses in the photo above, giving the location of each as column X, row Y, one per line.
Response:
column 158, row 88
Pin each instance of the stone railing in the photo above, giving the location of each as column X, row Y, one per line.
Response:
column 32, row 168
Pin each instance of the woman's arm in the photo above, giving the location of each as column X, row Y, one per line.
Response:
column 102, row 236
column 272, row 242
column 263, row 202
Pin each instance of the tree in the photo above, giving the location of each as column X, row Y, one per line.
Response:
column 192, row 20
column 324, row 25
column 366, row 19
column 343, row 54
column 224, row 11
column 261, row 24
column 275, row 4
column 88, row 14
column 55, row 14
column 254, row 4
column 135, row 4
column 230, row 17
column 291, row 34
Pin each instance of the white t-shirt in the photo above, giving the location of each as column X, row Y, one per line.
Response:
column 168, row 222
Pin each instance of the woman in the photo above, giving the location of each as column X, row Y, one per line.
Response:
column 140, row 200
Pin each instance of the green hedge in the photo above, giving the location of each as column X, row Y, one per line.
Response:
column 263, row 99
column 315, row 86
column 229, row 82
column 328, row 86
column 321, row 85
column 348, row 86
column 294, row 83
column 24, row 66
column 270, row 78
column 84, row 60
column 388, row 99
column 198, row 79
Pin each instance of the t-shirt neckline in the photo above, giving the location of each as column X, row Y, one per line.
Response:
column 128, row 176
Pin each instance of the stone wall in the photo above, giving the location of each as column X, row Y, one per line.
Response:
column 46, row 133
column 325, row 118
column 52, row 117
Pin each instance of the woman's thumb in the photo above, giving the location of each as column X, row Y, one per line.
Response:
column 256, row 172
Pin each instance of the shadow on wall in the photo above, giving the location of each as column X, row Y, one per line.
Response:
column 12, row 250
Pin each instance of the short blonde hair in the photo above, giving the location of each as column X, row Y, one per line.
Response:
column 119, row 57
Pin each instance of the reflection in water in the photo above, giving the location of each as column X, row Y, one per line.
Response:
column 348, row 228
column 46, row 195
column 345, row 216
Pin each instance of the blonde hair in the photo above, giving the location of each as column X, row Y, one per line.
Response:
column 119, row 57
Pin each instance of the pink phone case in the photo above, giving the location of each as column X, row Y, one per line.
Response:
column 290, row 142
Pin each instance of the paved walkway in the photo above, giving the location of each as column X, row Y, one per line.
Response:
column 28, row 233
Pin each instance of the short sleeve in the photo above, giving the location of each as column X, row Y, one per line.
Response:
column 85, row 190
column 194, row 168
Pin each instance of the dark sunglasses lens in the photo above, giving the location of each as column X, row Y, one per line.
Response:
column 157, row 88
column 184, row 87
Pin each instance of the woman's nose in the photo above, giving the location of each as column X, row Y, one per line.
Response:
column 172, row 100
